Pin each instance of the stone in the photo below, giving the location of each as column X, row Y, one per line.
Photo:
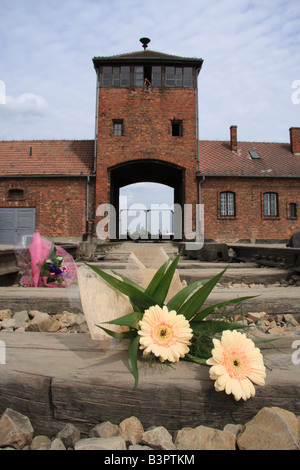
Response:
column 15, row 429
column 6, row 313
column 275, row 330
column 139, row 447
column 69, row 435
column 21, row 316
column 290, row 320
column 105, row 429
column 131, row 429
column 158, row 438
column 40, row 443
column 54, row 327
column 57, row 444
column 101, row 443
column 271, row 429
column 40, row 322
column 205, row 438
column 18, row 320
column 255, row 316
column 10, row 323
column 234, row 429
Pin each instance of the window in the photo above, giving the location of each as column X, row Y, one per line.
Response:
column 150, row 76
column 146, row 76
column 254, row 155
column 170, row 76
column 138, row 76
column 188, row 77
column 179, row 76
column 125, row 76
column 177, row 128
column 118, row 126
column 292, row 211
column 116, row 76
column 227, row 204
column 271, row 205
column 15, row 194
column 156, row 76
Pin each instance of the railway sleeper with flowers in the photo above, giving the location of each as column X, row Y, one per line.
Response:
column 180, row 330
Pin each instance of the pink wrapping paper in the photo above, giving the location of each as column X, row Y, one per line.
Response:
column 39, row 252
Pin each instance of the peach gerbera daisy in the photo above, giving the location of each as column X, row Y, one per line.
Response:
column 165, row 334
column 236, row 363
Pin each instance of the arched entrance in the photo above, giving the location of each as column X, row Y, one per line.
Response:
column 155, row 171
column 146, row 211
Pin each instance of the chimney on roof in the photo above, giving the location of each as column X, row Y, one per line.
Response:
column 295, row 140
column 233, row 138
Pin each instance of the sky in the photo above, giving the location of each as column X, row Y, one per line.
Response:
column 250, row 75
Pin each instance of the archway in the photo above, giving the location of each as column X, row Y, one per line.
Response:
column 147, row 171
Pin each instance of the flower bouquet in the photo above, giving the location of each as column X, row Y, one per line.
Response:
column 43, row 264
column 179, row 329
column 53, row 270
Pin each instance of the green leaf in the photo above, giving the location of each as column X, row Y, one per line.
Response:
column 130, row 319
column 128, row 281
column 138, row 297
column 52, row 251
column 122, row 335
column 198, row 360
column 133, row 353
column 207, row 311
column 162, row 289
column 151, row 288
column 212, row 327
column 178, row 300
column 195, row 302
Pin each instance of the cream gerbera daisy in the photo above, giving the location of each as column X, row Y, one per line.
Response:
column 236, row 363
column 165, row 334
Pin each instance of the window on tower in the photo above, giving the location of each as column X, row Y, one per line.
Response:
column 176, row 128
column 147, row 76
column 118, row 126
column 179, row 77
column 116, row 76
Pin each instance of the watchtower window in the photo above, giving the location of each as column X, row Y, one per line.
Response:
column 118, row 126
column 179, row 76
column 177, row 128
column 156, row 76
column 147, row 76
column 116, row 76
column 138, row 76
column 187, row 77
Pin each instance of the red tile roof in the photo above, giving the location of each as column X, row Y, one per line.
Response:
column 46, row 157
column 76, row 157
column 276, row 159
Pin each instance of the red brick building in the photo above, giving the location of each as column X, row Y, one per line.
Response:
column 250, row 190
column 46, row 186
column 147, row 130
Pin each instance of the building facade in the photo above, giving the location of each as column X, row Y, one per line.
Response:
column 147, row 131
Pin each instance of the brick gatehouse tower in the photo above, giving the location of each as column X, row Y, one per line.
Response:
column 146, row 124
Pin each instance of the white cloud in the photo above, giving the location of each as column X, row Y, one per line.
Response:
column 25, row 105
